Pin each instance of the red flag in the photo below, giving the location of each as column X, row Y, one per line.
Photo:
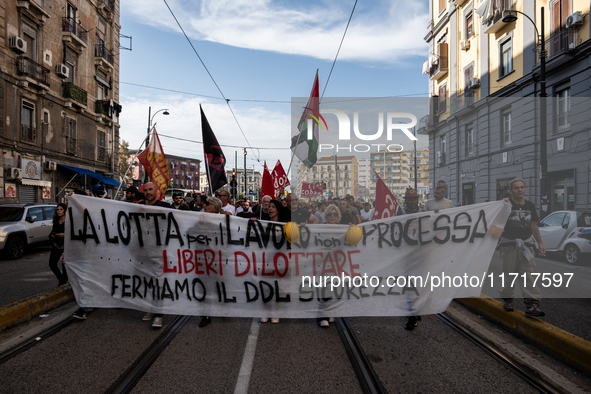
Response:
column 214, row 157
column 280, row 180
column 267, row 188
column 154, row 161
column 386, row 202
column 310, row 190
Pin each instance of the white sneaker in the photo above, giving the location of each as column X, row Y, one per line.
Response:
column 331, row 319
column 148, row 317
column 264, row 319
column 323, row 323
column 157, row 323
column 275, row 320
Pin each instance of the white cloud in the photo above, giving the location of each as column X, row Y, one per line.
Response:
column 385, row 31
column 264, row 128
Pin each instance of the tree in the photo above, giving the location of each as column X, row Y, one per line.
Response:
column 124, row 163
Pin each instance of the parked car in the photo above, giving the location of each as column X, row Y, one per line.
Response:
column 23, row 226
column 559, row 232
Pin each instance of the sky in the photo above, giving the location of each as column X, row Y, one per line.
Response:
column 261, row 54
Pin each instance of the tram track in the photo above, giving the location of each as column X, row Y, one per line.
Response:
column 367, row 377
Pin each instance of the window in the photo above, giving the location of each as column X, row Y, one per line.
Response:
column 71, row 61
column 469, row 24
column 70, row 17
column 469, row 141
column 563, row 110
column 101, row 149
column 30, row 37
column 505, row 128
column 506, row 60
column 70, row 136
column 442, row 104
column 468, row 75
column 28, row 122
column 441, row 6
column 560, row 36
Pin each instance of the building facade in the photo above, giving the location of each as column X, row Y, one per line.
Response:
column 59, row 97
column 184, row 172
column 338, row 175
column 486, row 122
column 397, row 170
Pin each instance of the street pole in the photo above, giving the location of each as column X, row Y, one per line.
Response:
column 544, row 199
column 245, row 179
column 415, row 141
column 336, row 174
column 144, row 175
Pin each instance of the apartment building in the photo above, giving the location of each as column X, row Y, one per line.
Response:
column 338, row 175
column 184, row 171
column 397, row 170
column 486, row 116
column 59, row 97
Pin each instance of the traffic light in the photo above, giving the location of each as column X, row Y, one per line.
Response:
column 233, row 181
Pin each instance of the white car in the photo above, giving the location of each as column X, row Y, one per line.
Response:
column 559, row 232
column 23, row 226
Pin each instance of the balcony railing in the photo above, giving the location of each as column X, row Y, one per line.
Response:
column 28, row 133
column 43, row 4
column 435, row 66
column 75, row 93
column 100, row 108
column 499, row 8
column 110, row 4
column 101, row 51
column 70, row 25
column 561, row 42
column 462, row 100
column 26, row 66
column 101, row 153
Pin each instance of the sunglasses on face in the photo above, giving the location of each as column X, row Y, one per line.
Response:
column 295, row 199
column 331, row 214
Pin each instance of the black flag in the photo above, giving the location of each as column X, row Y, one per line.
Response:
column 214, row 157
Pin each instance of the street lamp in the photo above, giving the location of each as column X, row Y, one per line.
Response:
column 150, row 118
column 543, row 152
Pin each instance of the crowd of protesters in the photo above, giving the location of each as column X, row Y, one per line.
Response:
column 334, row 211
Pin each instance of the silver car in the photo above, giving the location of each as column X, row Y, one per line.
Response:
column 559, row 232
column 23, row 225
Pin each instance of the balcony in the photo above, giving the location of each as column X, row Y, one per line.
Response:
column 74, row 34
column 499, row 9
column 107, row 7
column 32, row 72
column 558, row 48
column 462, row 100
column 103, row 55
column 28, row 133
column 76, row 95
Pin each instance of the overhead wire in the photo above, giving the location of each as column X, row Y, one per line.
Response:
column 211, row 76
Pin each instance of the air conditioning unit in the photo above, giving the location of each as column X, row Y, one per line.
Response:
column 50, row 166
column 17, row 44
column 474, row 83
column 62, row 70
column 13, row 173
column 465, row 45
column 575, row 20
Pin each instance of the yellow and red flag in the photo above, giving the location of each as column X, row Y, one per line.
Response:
column 154, row 162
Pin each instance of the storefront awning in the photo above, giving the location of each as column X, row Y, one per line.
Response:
column 104, row 179
column 34, row 182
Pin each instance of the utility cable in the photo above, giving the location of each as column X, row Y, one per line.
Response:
column 339, row 50
column 211, row 76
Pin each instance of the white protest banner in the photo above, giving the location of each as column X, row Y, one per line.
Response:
column 122, row 255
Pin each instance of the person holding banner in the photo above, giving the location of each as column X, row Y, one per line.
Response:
column 277, row 214
column 332, row 215
column 151, row 193
column 411, row 202
column 299, row 214
column 57, row 243
column 516, row 247
column 212, row 205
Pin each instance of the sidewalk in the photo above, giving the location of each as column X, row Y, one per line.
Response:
column 23, row 310
column 570, row 348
